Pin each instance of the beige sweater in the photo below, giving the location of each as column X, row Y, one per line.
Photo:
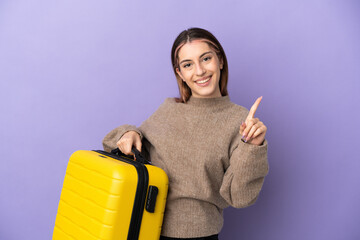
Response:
column 209, row 167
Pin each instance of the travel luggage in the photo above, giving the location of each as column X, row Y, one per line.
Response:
column 111, row 196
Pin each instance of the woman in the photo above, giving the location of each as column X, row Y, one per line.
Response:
column 214, row 151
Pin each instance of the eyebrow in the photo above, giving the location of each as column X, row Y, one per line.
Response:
column 186, row 60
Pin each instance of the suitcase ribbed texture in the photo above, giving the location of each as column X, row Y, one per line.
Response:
column 98, row 196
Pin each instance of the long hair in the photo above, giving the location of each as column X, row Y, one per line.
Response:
column 187, row 36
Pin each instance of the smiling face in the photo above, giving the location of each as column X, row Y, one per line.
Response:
column 199, row 67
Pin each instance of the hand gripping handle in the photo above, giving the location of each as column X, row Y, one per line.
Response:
column 138, row 156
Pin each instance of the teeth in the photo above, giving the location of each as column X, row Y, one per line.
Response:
column 203, row 81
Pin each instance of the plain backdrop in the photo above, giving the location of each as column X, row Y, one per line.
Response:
column 70, row 71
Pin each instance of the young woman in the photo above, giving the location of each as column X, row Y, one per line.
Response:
column 213, row 151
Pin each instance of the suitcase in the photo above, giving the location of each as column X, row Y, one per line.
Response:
column 111, row 196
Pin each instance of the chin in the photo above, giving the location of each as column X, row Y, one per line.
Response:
column 206, row 94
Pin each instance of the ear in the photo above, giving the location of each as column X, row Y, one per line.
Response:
column 179, row 74
column 221, row 64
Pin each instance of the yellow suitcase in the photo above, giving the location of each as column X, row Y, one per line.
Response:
column 108, row 196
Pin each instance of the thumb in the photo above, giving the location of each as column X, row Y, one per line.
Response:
column 138, row 144
column 242, row 128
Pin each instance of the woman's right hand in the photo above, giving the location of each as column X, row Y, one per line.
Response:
column 129, row 139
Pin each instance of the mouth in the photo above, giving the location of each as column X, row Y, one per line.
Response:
column 203, row 81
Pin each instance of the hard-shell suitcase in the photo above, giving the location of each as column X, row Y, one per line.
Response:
column 108, row 196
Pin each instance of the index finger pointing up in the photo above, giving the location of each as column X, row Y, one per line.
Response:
column 254, row 108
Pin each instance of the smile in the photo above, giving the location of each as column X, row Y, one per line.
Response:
column 204, row 80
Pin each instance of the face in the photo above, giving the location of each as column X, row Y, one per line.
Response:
column 200, row 67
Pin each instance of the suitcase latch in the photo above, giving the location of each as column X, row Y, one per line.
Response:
column 151, row 199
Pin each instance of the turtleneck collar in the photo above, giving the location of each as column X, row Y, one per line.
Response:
column 208, row 102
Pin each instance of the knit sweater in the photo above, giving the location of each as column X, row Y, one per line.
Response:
column 209, row 167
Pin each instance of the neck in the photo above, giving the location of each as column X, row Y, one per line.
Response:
column 208, row 102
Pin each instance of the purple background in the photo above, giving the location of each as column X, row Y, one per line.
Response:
column 70, row 71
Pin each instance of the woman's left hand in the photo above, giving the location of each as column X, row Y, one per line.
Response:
column 253, row 130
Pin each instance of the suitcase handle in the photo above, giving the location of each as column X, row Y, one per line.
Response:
column 138, row 156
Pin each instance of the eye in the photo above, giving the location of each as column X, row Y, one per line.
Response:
column 186, row 65
column 208, row 58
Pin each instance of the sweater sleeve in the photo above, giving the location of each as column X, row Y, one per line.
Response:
column 245, row 175
column 110, row 140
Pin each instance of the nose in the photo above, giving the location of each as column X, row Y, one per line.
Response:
column 200, row 70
